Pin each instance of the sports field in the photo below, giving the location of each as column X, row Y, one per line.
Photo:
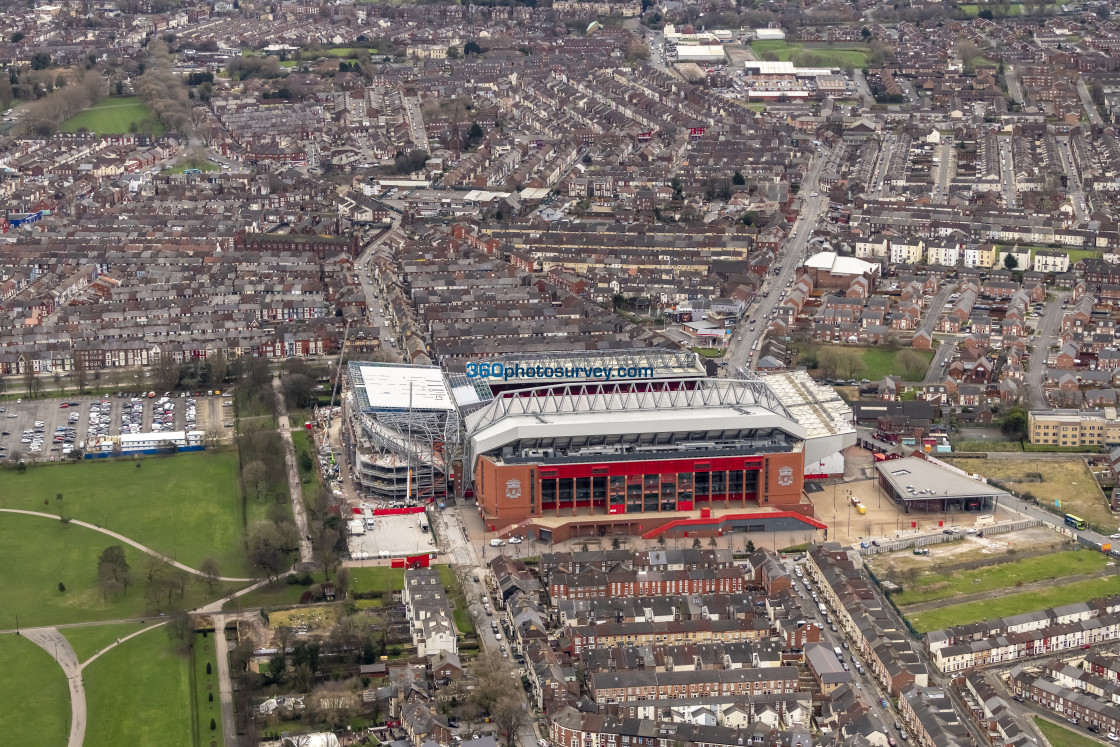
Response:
column 837, row 55
column 139, row 693
column 1013, row 604
column 113, row 115
column 34, row 693
column 877, row 362
column 187, row 506
column 928, row 587
column 1067, row 481
column 37, row 554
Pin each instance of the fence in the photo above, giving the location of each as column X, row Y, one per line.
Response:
column 936, row 539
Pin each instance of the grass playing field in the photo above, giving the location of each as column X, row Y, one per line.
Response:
column 36, row 554
column 139, row 693
column 838, row 55
column 187, row 506
column 877, row 362
column 34, row 693
column 113, row 115
column 1014, row 604
column 928, row 587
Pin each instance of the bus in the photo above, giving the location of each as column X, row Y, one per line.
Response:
column 1076, row 522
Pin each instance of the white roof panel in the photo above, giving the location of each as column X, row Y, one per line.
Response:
column 397, row 387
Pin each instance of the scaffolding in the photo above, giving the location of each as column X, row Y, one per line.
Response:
column 408, row 450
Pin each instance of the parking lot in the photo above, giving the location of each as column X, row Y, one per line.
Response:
column 46, row 430
column 399, row 536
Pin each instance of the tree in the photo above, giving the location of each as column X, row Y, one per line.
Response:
column 750, row 546
column 475, row 133
column 1014, row 424
column 471, row 49
column 209, row 569
column 1010, row 262
column 180, row 631
column 218, row 368
column 61, row 586
column 738, row 179
column 165, row 373
column 454, row 53
column 696, row 544
column 114, row 575
column 255, row 478
column 615, row 543
column 265, row 549
column 342, row 580
column 968, row 53
column 509, row 716
column 912, row 364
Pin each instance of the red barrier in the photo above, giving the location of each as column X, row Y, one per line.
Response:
column 399, row 563
column 398, row 511
column 422, row 561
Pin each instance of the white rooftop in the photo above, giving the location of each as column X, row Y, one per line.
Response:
column 770, row 67
column 838, row 265
column 398, row 387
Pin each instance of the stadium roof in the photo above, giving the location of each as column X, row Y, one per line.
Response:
column 917, row 479
column 665, row 363
column 606, row 409
column 395, row 387
column 817, row 407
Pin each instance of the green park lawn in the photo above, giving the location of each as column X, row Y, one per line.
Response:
column 972, row 9
column 34, row 693
column 187, row 506
column 276, row 594
column 1014, row 604
column 837, row 55
column 376, row 578
column 36, row 554
column 89, row 639
column 113, row 115
column 877, row 361
column 1059, row 736
column 931, row 586
column 139, row 693
column 202, row 686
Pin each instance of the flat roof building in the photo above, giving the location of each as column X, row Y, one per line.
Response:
column 1074, row 427
column 922, row 485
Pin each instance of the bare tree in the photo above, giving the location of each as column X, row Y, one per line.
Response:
column 209, row 569
column 509, row 716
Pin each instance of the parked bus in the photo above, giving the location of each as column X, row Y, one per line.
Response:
column 1076, row 522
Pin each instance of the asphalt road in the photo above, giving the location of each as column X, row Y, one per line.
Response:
column 944, row 171
column 1073, row 181
column 936, row 306
column 878, row 181
column 1087, row 102
column 1007, row 171
column 792, row 254
column 1050, row 325
column 936, row 370
column 866, row 687
column 55, row 644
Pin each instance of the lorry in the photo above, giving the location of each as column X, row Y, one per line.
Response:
column 423, row 522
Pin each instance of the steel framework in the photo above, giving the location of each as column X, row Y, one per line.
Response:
column 623, row 397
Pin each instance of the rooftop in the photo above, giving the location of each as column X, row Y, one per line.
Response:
column 398, row 387
column 911, row 476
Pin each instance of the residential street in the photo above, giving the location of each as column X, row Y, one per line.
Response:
column 1050, row 325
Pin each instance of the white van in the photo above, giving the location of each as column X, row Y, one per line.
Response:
column 496, row 543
